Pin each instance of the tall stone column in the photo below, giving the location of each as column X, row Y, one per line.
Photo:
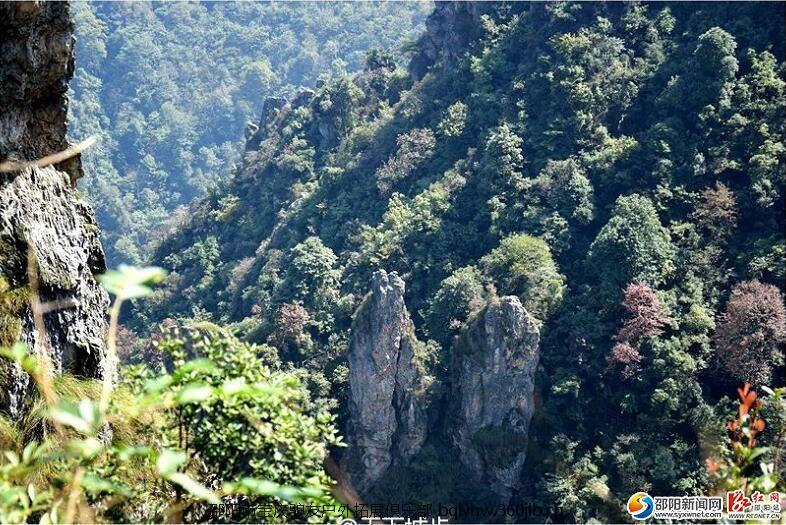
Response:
column 49, row 242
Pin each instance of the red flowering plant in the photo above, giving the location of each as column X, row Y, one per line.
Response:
column 744, row 463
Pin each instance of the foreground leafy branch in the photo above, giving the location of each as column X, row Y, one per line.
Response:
column 124, row 450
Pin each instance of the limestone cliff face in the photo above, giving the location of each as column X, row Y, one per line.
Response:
column 41, row 214
column 387, row 420
column 493, row 382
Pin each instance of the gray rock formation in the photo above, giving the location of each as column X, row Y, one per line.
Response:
column 449, row 29
column 304, row 96
column 41, row 213
column 493, row 382
column 387, row 418
column 271, row 108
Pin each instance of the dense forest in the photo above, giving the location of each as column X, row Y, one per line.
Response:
column 535, row 255
column 169, row 90
column 618, row 167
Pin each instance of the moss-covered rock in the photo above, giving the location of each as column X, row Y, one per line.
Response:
column 13, row 303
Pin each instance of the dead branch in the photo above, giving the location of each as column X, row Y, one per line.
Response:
column 55, row 158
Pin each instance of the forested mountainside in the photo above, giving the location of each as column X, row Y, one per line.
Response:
column 169, row 88
column 80, row 440
column 607, row 178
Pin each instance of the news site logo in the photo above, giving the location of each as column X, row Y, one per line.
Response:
column 641, row 506
column 756, row 507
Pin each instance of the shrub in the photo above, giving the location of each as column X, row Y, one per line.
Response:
column 414, row 148
column 626, row 358
column 522, row 265
column 454, row 120
column 646, row 315
column 744, row 461
column 502, row 156
column 568, row 190
column 281, row 435
column 13, row 302
column 716, row 212
column 161, row 444
column 458, row 296
column 312, row 278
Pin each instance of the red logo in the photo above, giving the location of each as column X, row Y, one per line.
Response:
column 736, row 501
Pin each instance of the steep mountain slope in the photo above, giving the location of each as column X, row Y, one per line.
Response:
column 616, row 169
column 48, row 235
column 169, row 88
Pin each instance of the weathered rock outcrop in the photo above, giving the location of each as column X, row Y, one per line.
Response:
column 387, row 418
column 271, row 108
column 449, row 29
column 41, row 214
column 493, row 382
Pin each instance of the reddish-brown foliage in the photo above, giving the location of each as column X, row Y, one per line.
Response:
column 626, row 358
column 716, row 212
column 646, row 315
column 752, row 331
column 291, row 320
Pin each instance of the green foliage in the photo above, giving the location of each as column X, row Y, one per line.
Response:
column 522, row 265
column 262, row 422
column 633, row 245
column 568, row 190
column 576, row 483
column 13, row 303
column 502, row 155
column 743, row 461
column 459, row 295
column 567, row 152
column 337, row 108
column 147, row 449
column 414, row 148
column 169, row 88
column 312, row 277
column 454, row 121
column 129, row 282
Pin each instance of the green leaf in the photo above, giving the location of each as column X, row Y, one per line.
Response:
column 20, row 355
column 83, row 417
column 126, row 452
column 90, row 412
column 84, row 448
column 31, row 451
column 193, row 487
column 201, row 365
column 96, row 485
column 11, row 456
column 158, row 384
column 169, row 461
column 263, row 487
column 194, row 393
column 232, row 387
column 128, row 282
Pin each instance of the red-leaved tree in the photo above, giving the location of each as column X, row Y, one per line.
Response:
column 751, row 333
column 646, row 317
column 291, row 322
column 646, row 314
column 625, row 358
